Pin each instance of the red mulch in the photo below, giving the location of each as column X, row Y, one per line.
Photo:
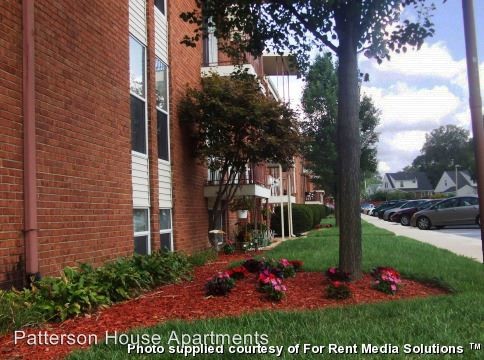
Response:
column 187, row 301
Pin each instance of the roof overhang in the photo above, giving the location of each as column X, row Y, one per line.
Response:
column 279, row 65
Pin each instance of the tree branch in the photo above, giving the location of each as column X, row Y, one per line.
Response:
column 306, row 24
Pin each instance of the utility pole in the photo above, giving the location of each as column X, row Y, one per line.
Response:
column 475, row 103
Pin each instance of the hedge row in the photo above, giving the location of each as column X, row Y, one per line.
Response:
column 84, row 289
column 304, row 217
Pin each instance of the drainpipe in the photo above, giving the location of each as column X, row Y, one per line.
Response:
column 30, row 171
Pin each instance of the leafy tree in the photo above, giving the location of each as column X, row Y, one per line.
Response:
column 235, row 125
column 444, row 148
column 342, row 26
column 320, row 105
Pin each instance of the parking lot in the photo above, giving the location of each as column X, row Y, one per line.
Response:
column 462, row 240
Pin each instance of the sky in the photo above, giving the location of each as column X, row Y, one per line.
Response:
column 418, row 91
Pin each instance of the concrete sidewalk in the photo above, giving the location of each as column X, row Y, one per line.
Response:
column 460, row 245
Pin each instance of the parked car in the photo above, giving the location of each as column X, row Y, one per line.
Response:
column 385, row 205
column 365, row 207
column 393, row 206
column 403, row 216
column 459, row 210
column 406, row 205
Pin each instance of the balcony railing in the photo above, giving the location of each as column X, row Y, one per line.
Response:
column 253, row 175
column 314, row 196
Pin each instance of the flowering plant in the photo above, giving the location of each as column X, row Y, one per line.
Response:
column 387, row 279
column 271, row 285
column 220, row 284
column 335, row 274
column 238, row 272
column 252, row 265
column 338, row 290
column 286, row 267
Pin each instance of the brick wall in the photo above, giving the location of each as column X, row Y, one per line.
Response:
column 190, row 215
column 11, row 153
column 83, row 132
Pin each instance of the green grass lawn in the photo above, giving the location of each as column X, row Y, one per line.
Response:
column 455, row 319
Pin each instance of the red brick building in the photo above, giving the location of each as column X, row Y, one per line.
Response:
column 106, row 168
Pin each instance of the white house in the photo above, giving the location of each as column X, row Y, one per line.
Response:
column 416, row 182
column 465, row 184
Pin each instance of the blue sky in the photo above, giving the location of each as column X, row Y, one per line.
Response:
column 420, row 91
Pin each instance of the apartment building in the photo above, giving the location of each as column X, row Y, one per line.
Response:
column 94, row 163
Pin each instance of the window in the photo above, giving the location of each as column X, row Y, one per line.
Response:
column 160, row 5
column 138, row 125
column 161, row 76
column 165, row 230
column 137, row 86
column 401, row 183
column 136, row 67
column 447, row 204
column 162, row 119
column 141, row 231
column 161, row 84
column 469, row 201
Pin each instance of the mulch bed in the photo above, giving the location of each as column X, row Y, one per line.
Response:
column 187, row 301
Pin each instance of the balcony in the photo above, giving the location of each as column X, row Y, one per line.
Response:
column 253, row 182
column 314, row 197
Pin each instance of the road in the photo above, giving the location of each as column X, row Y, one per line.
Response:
column 465, row 240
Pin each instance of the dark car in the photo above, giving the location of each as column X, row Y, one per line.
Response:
column 459, row 210
column 403, row 216
column 390, row 205
column 408, row 204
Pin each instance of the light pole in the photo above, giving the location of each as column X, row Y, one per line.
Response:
column 456, row 181
column 475, row 102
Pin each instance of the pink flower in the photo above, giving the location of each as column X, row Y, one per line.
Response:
column 393, row 287
column 285, row 262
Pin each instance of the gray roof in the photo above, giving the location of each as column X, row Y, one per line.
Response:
column 461, row 180
column 423, row 183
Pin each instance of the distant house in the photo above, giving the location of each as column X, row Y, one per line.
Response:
column 415, row 182
column 465, row 184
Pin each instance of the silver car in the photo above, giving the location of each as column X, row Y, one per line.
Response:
column 459, row 210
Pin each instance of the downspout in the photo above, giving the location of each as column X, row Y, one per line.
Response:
column 30, row 171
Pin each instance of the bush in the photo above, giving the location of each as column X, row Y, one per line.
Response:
column 84, row 289
column 220, row 284
column 302, row 219
column 338, row 290
column 202, row 257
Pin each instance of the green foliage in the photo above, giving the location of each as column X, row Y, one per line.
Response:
column 392, row 195
column 445, row 147
column 304, row 217
column 320, row 105
column 202, row 257
column 338, row 290
column 85, row 289
column 233, row 125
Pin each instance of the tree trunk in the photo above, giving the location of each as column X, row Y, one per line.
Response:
column 348, row 145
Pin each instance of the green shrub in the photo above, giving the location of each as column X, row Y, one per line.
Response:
column 301, row 217
column 84, row 289
column 202, row 257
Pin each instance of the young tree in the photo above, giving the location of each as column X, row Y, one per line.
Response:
column 235, row 125
column 345, row 27
column 320, row 105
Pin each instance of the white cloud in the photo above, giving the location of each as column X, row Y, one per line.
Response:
column 432, row 60
column 408, row 108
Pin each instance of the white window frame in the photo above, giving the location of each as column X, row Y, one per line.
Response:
column 168, row 231
column 145, row 101
column 143, row 233
column 167, row 111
